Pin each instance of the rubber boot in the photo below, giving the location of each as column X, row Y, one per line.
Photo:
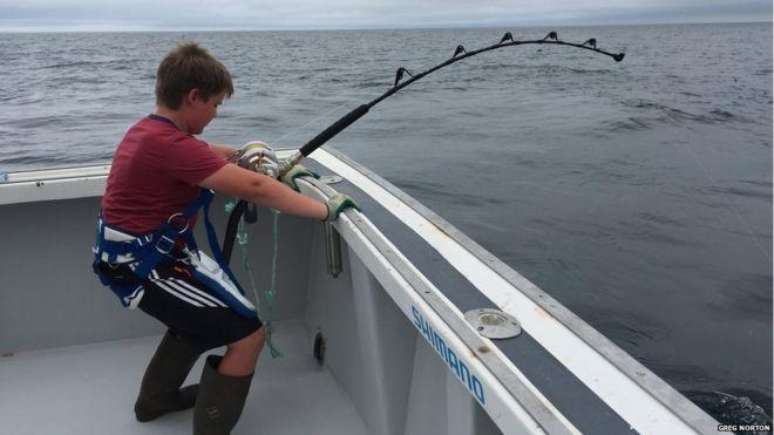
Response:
column 160, row 391
column 221, row 400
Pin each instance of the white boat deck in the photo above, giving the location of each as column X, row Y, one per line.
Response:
column 90, row 389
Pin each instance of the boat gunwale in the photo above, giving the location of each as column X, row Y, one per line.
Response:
column 681, row 406
column 514, row 384
column 56, row 173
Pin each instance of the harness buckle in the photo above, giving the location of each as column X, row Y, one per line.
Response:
column 165, row 245
column 175, row 225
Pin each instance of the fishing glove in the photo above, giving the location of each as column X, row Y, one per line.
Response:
column 296, row 171
column 337, row 204
column 258, row 157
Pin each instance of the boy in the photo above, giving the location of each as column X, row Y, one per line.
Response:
column 145, row 252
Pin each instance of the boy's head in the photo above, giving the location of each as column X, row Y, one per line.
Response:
column 190, row 67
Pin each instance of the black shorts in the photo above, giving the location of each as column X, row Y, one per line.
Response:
column 189, row 309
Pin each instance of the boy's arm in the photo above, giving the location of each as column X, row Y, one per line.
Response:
column 258, row 188
column 224, row 151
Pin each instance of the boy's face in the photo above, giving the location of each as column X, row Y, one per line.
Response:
column 202, row 111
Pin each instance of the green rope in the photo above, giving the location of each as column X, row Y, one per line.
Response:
column 270, row 294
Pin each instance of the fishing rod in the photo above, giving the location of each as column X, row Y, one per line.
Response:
column 345, row 121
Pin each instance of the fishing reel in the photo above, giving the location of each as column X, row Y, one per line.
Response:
column 258, row 157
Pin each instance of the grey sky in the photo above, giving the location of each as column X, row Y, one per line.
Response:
column 337, row 14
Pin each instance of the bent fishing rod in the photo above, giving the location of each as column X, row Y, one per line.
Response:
column 345, row 121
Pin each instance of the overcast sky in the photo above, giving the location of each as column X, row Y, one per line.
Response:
column 37, row 15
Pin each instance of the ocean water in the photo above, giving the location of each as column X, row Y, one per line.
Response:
column 639, row 194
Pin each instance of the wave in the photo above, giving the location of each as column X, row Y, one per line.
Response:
column 757, row 183
column 733, row 409
column 256, row 119
column 673, row 114
column 662, row 238
column 630, row 124
column 118, row 64
column 371, row 84
column 625, row 328
column 747, row 193
column 747, row 297
column 660, row 114
column 659, row 219
column 546, row 67
column 425, row 189
column 17, row 97
column 597, row 71
column 26, row 159
column 42, row 121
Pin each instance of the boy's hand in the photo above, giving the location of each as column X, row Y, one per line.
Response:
column 259, row 157
column 337, row 204
column 296, row 171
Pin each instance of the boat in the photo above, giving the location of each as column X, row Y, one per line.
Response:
column 390, row 321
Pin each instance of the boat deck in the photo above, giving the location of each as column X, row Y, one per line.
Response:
column 90, row 389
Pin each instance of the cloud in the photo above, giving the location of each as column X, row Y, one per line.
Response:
column 320, row 14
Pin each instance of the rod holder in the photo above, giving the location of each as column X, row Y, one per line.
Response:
column 332, row 249
column 286, row 164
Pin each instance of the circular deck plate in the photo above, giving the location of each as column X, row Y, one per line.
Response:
column 331, row 179
column 492, row 323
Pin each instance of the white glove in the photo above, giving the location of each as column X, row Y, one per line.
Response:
column 259, row 157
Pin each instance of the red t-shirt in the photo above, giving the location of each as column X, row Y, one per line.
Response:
column 155, row 172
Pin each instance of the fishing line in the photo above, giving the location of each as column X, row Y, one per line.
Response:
column 459, row 54
column 728, row 202
column 313, row 121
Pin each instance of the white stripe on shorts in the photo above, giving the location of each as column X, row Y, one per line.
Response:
column 185, row 291
column 197, row 291
column 169, row 290
column 193, row 295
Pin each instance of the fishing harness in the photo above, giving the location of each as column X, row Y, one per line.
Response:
column 124, row 265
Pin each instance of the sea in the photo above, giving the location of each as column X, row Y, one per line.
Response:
column 638, row 194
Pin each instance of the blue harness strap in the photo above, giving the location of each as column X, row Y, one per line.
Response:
column 165, row 239
column 146, row 252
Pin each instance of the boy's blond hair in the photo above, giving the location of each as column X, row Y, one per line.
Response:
column 187, row 67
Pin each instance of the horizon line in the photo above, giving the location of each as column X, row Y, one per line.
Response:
column 36, row 29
